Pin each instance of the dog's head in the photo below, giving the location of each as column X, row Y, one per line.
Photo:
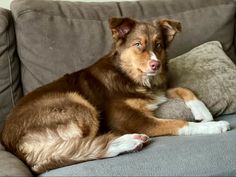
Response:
column 142, row 46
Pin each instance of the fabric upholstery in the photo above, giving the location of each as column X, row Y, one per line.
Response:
column 10, row 165
column 202, row 155
column 57, row 37
column 10, row 89
column 210, row 74
column 73, row 35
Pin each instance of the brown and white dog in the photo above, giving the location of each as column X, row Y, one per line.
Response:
column 107, row 108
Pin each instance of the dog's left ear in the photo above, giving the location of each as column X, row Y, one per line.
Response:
column 169, row 29
column 121, row 27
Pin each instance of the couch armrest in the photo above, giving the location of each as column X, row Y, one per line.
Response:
column 10, row 89
column 10, row 165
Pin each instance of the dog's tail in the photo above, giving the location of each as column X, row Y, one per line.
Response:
column 43, row 152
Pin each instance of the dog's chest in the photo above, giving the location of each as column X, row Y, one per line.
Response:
column 155, row 100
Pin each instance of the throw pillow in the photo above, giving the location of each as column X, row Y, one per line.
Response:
column 210, row 74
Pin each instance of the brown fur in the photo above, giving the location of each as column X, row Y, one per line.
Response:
column 181, row 93
column 61, row 123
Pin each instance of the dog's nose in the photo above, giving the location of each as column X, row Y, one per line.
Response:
column 154, row 64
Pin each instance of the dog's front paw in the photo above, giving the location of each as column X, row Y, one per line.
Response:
column 194, row 128
column 199, row 110
column 127, row 143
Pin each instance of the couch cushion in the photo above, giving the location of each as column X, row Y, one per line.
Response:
column 10, row 89
column 10, row 165
column 72, row 35
column 202, row 155
column 210, row 74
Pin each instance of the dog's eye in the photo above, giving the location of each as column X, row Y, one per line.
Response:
column 158, row 45
column 138, row 44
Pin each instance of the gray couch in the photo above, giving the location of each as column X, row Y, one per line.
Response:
column 42, row 40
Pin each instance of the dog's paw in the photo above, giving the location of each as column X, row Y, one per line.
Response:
column 205, row 128
column 199, row 110
column 127, row 143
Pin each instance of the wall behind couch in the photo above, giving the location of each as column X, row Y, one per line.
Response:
column 6, row 3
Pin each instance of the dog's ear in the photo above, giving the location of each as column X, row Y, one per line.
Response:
column 120, row 27
column 169, row 29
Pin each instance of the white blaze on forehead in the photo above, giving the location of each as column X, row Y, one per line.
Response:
column 153, row 56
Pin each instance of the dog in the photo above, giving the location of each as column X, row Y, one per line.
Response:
column 108, row 108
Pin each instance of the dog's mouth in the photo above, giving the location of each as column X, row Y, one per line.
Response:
column 148, row 73
column 153, row 68
column 152, row 73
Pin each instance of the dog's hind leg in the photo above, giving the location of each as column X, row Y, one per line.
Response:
column 198, row 108
column 45, row 151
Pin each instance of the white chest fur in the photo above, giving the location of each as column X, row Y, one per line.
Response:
column 159, row 99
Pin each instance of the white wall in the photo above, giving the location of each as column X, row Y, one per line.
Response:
column 6, row 3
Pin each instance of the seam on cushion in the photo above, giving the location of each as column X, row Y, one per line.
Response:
column 119, row 8
column 40, row 11
column 9, row 67
column 9, row 58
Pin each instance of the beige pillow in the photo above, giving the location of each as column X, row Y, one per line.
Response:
column 210, row 74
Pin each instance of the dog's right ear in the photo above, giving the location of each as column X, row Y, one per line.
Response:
column 120, row 27
column 169, row 29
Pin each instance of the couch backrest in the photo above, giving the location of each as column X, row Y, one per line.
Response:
column 54, row 38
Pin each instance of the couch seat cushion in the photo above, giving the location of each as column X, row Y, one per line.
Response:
column 10, row 165
column 202, row 155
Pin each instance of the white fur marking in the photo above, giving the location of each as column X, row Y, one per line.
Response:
column 194, row 128
column 69, row 131
column 158, row 100
column 199, row 110
column 153, row 56
column 125, row 143
column 146, row 81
